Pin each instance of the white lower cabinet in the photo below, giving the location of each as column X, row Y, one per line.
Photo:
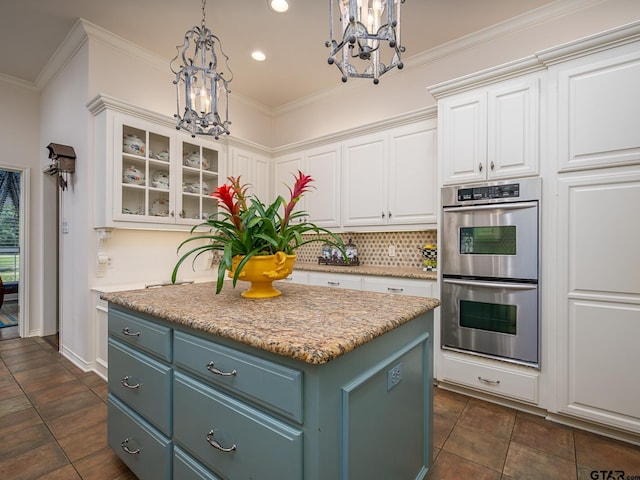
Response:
column 598, row 307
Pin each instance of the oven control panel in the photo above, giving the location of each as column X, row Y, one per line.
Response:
column 490, row 192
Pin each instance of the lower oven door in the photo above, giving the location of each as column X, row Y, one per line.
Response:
column 496, row 319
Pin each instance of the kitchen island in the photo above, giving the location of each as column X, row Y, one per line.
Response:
column 317, row 383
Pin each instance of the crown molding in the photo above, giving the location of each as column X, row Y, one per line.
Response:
column 17, row 82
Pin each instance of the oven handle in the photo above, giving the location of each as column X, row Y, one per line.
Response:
column 476, row 283
column 492, row 206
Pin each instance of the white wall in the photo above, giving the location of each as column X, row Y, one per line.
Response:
column 19, row 131
column 64, row 120
column 359, row 102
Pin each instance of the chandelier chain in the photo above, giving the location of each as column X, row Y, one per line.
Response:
column 204, row 7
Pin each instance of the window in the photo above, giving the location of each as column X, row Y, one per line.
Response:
column 9, row 225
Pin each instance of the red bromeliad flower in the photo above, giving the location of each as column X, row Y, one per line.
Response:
column 231, row 198
column 302, row 185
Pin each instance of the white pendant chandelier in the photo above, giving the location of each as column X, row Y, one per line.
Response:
column 202, row 88
column 366, row 27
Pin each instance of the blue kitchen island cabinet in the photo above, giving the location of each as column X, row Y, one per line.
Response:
column 315, row 384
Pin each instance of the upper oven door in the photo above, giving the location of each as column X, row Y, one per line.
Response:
column 496, row 240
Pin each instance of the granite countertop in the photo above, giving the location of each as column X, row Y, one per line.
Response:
column 397, row 272
column 307, row 323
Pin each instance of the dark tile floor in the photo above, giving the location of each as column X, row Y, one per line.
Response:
column 53, row 426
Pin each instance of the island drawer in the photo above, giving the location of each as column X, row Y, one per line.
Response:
column 139, row 333
column 142, row 383
column 141, row 447
column 257, row 445
column 263, row 382
column 186, row 468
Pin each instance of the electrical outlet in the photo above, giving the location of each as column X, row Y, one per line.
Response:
column 394, row 375
column 392, row 250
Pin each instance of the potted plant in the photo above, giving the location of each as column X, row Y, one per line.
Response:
column 244, row 229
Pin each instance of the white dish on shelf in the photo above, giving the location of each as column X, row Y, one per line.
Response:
column 160, row 208
column 133, row 144
column 163, row 156
column 160, row 179
column 193, row 160
column 133, row 175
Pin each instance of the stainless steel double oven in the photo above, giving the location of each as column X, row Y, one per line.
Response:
column 489, row 259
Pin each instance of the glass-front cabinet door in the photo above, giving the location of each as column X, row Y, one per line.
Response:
column 145, row 179
column 199, row 177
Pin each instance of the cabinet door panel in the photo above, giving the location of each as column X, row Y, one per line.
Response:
column 323, row 202
column 364, row 181
column 412, row 175
column 598, row 113
column 264, row 447
column 603, row 360
column 513, row 136
column 463, row 138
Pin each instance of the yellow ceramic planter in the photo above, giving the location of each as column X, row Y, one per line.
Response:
column 261, row 271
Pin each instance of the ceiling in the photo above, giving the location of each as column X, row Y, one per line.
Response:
column 296, row 65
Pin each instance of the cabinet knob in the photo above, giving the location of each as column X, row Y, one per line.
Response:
column 492, row 165
column 382, row 214
column 389, row 214
column 480, row 166
column 171, row 213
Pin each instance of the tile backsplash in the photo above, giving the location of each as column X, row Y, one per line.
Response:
column 373, row 248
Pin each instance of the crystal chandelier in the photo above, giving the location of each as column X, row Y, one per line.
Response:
column 366, row 24
column 202, row 90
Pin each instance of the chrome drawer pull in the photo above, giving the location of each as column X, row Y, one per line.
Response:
column 333, row 284
column 212, row 369
column 490, row 382
column 126, row 331
column 215, row 444
column 395, row 289
column 125, row 383
column 124, row 447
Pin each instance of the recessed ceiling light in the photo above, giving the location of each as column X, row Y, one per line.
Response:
column 279, row 6
column 258, row 56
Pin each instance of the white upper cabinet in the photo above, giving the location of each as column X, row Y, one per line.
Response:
column 254, row 169
column 598, row 109
column 324, row 200
column 284, row 170
column 147, row 174
column 490, row 132
column 364, row 179
column 389, row 178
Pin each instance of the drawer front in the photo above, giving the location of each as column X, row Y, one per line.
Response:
column 141, row 334
column 265, row 383
column 417, row 288
column 516, row 382
column 141, row 447
column 186, row 468
column 142, row 383
column 261, row 446
column 340, row 280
